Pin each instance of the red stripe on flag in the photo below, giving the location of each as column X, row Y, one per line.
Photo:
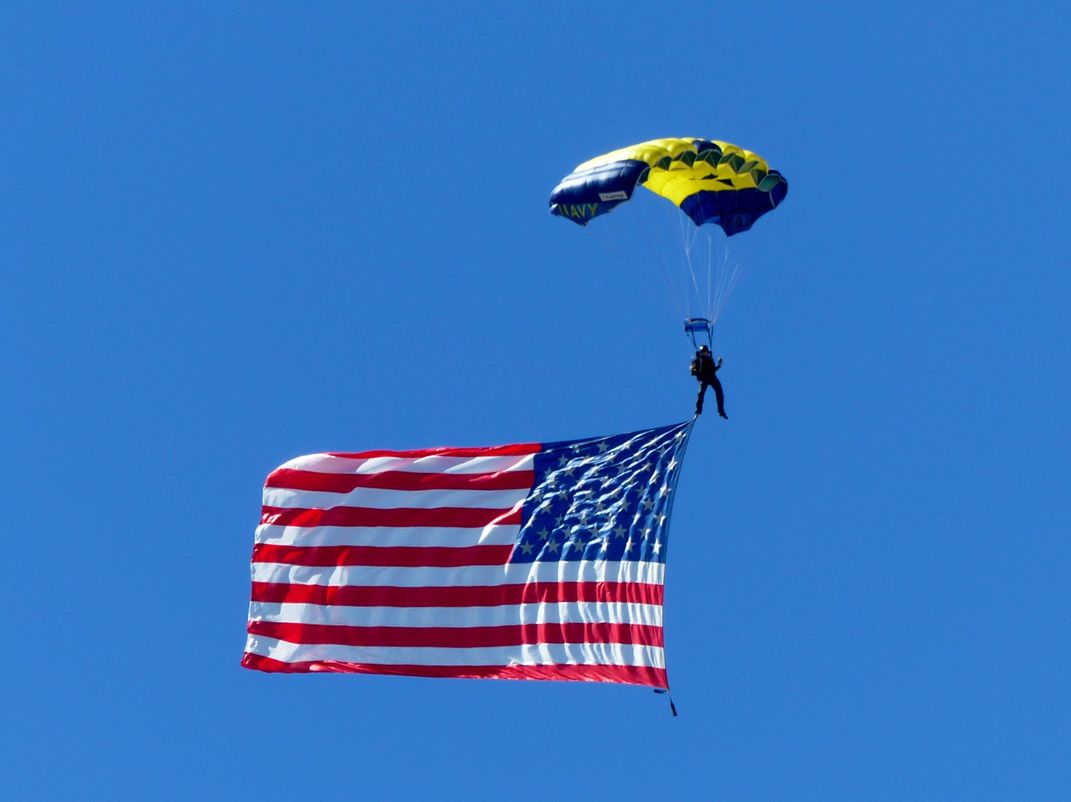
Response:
column 372, row 516
column 406, row 556
column 460, row 596
column 293, row 479
column 517, row 449
column 629, row 675
column 461, row 637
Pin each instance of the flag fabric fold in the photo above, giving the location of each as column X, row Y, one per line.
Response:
column 526, row 561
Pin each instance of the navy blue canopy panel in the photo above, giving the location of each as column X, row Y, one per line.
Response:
column 585, row 194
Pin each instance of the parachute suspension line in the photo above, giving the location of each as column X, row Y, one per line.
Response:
column 655, row 238
column 620, row 253
column 688, row 243
column 734, row 278
column 735, row 273
column 725, row 273
column 711, row 311
column 717, row 272
column 715, row 291
column 674, row 292
column 757, row 235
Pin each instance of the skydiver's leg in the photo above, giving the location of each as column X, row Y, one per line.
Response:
column 720, row 395
column 699, row 400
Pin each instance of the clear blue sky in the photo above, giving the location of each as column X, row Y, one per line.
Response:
column 234, row 234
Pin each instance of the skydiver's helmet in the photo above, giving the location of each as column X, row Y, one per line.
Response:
column 704, row 350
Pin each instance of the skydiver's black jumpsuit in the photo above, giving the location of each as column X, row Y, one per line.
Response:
column 705, row 370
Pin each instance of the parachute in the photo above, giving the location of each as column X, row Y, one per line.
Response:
column 710, row 181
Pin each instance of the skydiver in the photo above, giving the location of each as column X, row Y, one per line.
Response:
column 705, row 370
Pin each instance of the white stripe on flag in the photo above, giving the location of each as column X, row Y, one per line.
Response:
column 511, row 573
column 325, row 463
column 393, row 499
column 490, row 535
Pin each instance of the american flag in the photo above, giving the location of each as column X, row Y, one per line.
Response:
column 528, row 561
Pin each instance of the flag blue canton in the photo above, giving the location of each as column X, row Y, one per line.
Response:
column 603, row 498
